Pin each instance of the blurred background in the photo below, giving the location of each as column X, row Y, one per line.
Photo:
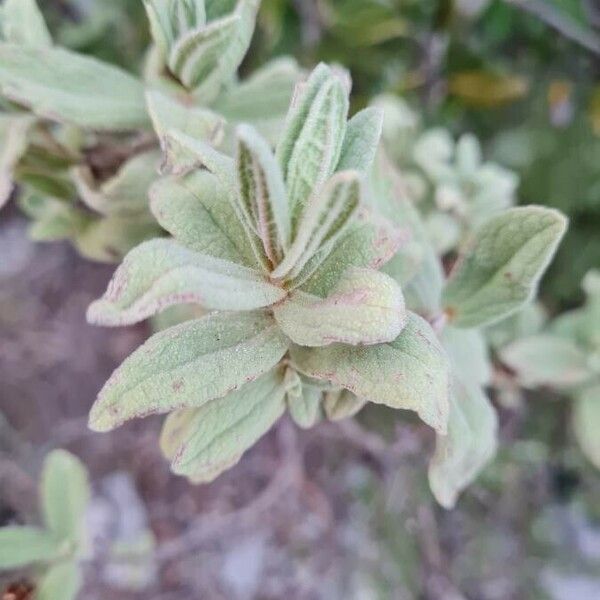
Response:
column 343, row 510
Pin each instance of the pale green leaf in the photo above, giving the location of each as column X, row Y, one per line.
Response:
column 468, row 353
column 23, row 23
column 305, row 407
column 412, row 372
column 61, row 582
column 211, row 439
column 365, row 307
column 65, row 494
column 188, row 365
column 468, row 446
column 160, row 273
column 342, row 404
column 14, row 133
column 586, row 423
column 547, row 359
column 500, row 268
column 361, row 140
column 20, row 546
column 60, row 85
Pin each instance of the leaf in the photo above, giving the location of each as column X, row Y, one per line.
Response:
column 305, row 408
column 366, row 307
column 310, row 145
column 468, row 446
column 61, row 582
column 168, row 113
column 468, row 353
column 188, row 365
column 501, row 266
column 23, row 23
column 262, row 194
column 160, row 273
column 212, row 438
column 63, row 86
column 361, row 140
column 325, row 216
column 14, row 133
column 195, row 209
column 411, row 372
column 342, row 404
column 20, row 546
column 547, row 359
column 197, row 54
column 125, row 194
column 586, row 423
column 65, row 495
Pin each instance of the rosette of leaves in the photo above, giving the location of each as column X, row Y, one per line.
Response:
column 496, row 275
column 98, row 110
column 565, row 356
column 457, row 190
column 283, row 249
column 54, row 551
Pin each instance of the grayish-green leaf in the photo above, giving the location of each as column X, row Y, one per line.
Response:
column 361, row 140
column 501, row 266
column 586, row 423
column 65, row 495
column 365, row 307
column 188, row 365
column 212, row 438
column 412, row 372
column 64, row 86
column 23, row 23
column 14, row 131
column 342, row 404
column 61, row 582
column 469, row 355
column 160, row 273
column 303, row 400
column 21, row 546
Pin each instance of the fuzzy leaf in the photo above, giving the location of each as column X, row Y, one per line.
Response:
column 60, row 85
column 21, row 546
column 342, row 404
column 410, row 373
column 23, row 23
column 195, row 209
column 188, row 365
column 366, row 307
column 168, row 113
column 261, row 193
column 160, row 273
column 361, row 140
column 547, row 359
column 586, row 423
column 469, row 355
column 125, row 194
column 326, row 215
column 305, row 407
column 500, row 268
column 468, row 446
column 311, row 143
column 14, row 131
column 61, row 582
column 65, row 495
column 212, row 438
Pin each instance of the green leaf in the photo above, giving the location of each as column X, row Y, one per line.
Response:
column 342, row 404
column 169, row 113
column 468, row 446
column 361, row 140
column 586, row 423
column 20, row 546
column 188, row 365
column 160, row 273
column 311, row 143
column 211, row 439
column 195, row 209
column 365, row 307
column 60, row 85
column 23, row 23
column 324, row 218
column 411, row 372
column 501, row 266
column 61, row 582
column 547, row 359
column 467, row 350
column 261, row 193
column 125, row 194
column 14, row 133
column 303, row 400
column 65, row 495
